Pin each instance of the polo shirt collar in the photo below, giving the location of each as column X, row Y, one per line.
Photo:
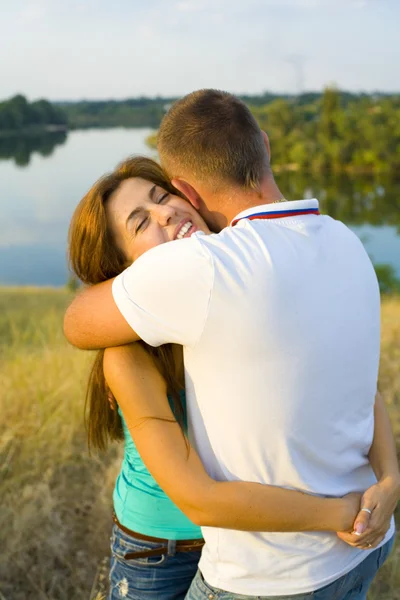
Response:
column 279, row 210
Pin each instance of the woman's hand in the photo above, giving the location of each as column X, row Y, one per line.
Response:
column 373, row 520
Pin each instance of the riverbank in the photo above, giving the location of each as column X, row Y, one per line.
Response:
column 33, row 130
column 56, row 499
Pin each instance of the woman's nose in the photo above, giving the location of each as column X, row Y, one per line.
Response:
column 163, row 213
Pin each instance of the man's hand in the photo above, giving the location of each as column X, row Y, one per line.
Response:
column 373, row 520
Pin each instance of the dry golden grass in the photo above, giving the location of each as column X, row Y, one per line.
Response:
column 55, row 499
column 387, row 584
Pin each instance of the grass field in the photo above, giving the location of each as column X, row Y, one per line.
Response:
column 55, row 515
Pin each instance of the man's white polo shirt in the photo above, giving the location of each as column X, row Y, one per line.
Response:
column 279, row 319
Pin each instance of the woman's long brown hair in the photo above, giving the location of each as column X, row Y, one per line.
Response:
column 94, row 257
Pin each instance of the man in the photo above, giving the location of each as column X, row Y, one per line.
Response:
column 279, row 318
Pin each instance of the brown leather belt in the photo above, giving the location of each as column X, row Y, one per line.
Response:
column 180, row 545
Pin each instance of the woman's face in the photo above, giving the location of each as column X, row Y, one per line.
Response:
column 143, row 215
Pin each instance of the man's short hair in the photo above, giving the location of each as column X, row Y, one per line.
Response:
column 213, row 136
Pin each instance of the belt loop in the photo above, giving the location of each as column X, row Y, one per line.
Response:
column 171, row 547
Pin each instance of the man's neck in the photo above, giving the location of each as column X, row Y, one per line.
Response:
column 235, row 201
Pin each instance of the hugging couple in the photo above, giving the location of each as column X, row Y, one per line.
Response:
column 240, row 370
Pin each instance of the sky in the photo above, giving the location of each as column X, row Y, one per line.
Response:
column 101, row 49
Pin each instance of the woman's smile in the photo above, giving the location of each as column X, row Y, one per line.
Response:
column 185, row 229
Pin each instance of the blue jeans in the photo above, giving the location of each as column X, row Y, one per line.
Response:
column 352, row 586
column 164, row 577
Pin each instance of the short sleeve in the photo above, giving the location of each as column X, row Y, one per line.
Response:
column 165, row 294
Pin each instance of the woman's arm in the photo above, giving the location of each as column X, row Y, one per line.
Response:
column 381, row 499
column 382, row 454
column 141, row 393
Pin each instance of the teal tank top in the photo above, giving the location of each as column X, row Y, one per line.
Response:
column 141, row 505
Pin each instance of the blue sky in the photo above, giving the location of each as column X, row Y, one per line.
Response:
column 73, row 49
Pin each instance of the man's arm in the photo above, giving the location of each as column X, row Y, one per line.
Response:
column 163, row 297
column 94, row 321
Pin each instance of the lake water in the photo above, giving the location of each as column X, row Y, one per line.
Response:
column 42, row 180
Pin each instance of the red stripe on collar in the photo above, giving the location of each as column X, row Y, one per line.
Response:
column 279, row 214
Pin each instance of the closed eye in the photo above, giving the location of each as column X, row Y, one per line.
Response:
column 162, row 197
column 141, row 224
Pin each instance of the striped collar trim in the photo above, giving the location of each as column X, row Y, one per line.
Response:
column 279, row 210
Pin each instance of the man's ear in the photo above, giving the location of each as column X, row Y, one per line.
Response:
column 266, row 143
column 188, row 191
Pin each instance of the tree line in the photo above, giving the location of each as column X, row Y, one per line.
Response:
column 17, row 114
column 332, row 131
column 132, row 112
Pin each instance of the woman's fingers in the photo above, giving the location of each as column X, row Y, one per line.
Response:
column 370, row 539
column 372, row 543
column 363, row 518
column 349, row 538
column 373, row 537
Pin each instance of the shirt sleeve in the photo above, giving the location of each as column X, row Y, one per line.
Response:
column 165, row 294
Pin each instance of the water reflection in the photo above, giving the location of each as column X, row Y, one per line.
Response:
column 355, row 200
column 37, row 202
column 21, row 147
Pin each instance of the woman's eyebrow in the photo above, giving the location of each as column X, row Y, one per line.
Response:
column 152, row 192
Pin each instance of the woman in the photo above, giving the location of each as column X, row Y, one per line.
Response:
column 155, row 546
